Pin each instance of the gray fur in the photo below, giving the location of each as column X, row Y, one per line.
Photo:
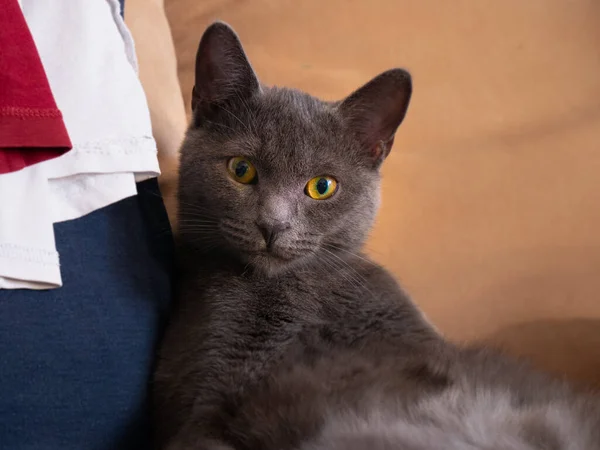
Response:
column 306, row 344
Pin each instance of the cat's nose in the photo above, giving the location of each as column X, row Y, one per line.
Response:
column 270, row 229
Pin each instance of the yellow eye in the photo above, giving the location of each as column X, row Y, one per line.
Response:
column 241, row 170
column 321, row 188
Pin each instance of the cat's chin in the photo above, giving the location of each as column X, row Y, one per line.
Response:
column 270, row 264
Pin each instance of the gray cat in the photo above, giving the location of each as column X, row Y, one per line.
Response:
column 284, row 335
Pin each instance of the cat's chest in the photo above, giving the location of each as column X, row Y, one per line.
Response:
column 275, row 310
column 280, row 301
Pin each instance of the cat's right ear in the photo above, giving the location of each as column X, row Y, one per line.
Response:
column 223, row 72
column 376, row 110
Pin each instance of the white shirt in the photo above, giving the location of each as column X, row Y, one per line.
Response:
column 89, row 59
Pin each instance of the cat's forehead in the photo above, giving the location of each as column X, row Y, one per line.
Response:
column 297, row 130
column 290, row 114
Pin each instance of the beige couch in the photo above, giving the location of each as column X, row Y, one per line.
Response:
column 491, row 211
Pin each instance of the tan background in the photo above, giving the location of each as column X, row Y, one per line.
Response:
column 491, row 213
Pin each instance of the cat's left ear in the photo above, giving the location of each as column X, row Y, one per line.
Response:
column 376, row 110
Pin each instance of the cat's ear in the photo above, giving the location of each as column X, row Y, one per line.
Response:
column 375, row 111
column 223, row 72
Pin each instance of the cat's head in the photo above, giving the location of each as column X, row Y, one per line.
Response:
column 274, row 177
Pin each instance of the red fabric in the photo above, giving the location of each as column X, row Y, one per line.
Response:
column 31, row 126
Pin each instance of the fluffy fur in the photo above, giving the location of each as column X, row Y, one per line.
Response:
column 299, row 341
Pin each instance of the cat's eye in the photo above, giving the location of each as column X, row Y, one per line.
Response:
column 321, row 188
column 241, row 170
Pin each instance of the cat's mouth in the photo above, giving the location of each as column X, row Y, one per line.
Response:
column 278, row 258
column 270, row 262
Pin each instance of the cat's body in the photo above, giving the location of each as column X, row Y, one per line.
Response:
column 294, row 366
column 267, row 327
column 284, row 335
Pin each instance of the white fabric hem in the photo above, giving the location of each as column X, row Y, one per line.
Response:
column 78, row 195
column 128, row 154
column 41, row 266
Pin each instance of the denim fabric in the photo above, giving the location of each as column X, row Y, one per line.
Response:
column 75, row 361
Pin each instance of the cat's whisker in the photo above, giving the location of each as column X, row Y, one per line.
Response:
column 343, row 263
column 339, row 270
column 198, row 216
column 363, row 281
column 199, row 222
column 219, row 124
column 233, row 225
column 362, row 258
column 196, row 211
column 205, row 243
column 236, row 118
column 247, row 109
column 245, row 270
column 196, row 230
column 239, row 237
column 198, row 219
column 193, row 205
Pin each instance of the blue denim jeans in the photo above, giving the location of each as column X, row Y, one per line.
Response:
column 75, row 362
